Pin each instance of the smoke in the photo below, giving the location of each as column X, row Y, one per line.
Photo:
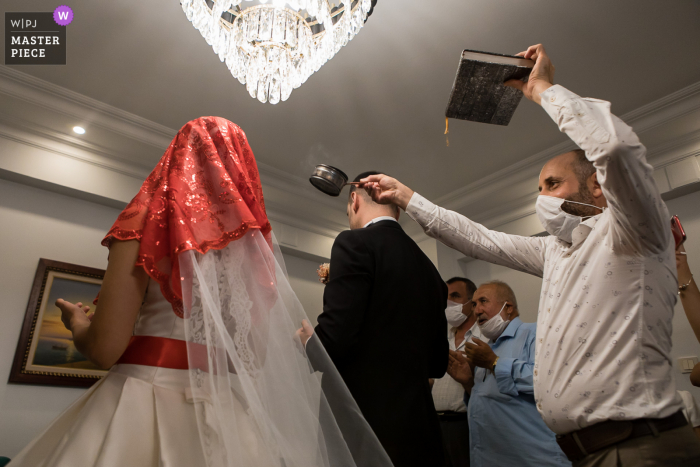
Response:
column 318, row 154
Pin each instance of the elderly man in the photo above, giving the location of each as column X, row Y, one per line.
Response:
column 603, row 377
column 501, row 403
column 448, row 394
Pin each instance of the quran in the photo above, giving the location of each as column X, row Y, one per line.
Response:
column 478, row 93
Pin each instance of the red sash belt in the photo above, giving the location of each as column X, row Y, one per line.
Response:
column 162, row 352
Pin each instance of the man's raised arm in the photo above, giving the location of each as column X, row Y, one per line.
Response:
column 457, row 231
column 641, row 219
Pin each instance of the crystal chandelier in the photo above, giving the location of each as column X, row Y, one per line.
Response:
column 274, row 48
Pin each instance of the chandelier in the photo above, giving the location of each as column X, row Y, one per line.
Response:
column 274, row 48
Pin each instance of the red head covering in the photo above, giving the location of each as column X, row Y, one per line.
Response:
column 204, row 193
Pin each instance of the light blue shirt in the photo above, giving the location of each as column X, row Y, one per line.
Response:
column 504, row 425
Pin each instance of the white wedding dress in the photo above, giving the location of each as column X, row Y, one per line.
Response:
column 136, row 416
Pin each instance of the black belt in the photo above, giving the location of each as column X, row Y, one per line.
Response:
column 578, row 444
column 451, row 416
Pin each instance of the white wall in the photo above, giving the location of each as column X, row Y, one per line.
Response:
column 527, row 287
column 39, row 224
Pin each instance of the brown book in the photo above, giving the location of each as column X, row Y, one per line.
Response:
column 478, row 93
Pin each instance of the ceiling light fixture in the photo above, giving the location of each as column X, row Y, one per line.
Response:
column 78, row 129
column 274, row 47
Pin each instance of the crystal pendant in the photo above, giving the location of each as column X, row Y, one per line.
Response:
column 252, row 83
column 285, row 82
column 324, row 14
column 252, row 21
column 252, row 76
column 238, row 31
column 295, row 72
column 301, row 40
column 291, row 36
column 257, row 15
column 273, row 59
column 224, row 38
column 263, row 88
column 265, row 25
column 275, row 89
column 242, row 62
column 312, row 7
column 188, row 9
column 278, row 29
column 232, row 61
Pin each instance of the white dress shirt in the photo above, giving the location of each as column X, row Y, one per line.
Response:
column 448, row 394
column 604, row 321
column 379, row 219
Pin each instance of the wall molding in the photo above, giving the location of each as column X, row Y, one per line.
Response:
column 32, row 137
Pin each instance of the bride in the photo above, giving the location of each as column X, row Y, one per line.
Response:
column 197, row 320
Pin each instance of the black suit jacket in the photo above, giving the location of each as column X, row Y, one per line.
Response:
column 383, row 325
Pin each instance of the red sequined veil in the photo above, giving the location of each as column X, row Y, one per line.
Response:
column 204, row 193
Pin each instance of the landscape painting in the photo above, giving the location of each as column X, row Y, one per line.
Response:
column 46, row 353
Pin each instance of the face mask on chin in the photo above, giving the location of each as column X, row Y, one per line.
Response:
column 555, row 220
column 495, row 326
column 454, row 314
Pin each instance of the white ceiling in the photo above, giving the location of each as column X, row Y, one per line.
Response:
column 379, row 104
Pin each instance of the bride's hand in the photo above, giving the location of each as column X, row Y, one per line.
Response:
column 73, row 315
column 305, row 332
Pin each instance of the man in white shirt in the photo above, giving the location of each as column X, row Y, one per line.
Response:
column 603, row 378
column 448, row 394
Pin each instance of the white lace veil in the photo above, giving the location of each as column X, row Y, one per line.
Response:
column 258, row 400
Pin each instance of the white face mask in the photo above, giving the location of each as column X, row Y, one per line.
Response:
column 454, row 314
column 493, row 328
column 554, row 220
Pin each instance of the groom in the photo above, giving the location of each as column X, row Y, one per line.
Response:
column 383, row 325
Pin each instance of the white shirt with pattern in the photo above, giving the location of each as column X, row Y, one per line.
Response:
column 448, row 394
column 604, row 322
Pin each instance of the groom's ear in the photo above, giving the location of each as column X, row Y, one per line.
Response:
column 354, row 201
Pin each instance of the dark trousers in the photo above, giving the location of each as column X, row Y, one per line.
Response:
column 455, row 439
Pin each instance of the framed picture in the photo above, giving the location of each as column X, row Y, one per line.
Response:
column 45, row 351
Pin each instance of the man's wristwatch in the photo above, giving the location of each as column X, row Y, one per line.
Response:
column 493, row 367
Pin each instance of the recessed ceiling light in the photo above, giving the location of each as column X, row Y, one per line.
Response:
column 78, row 129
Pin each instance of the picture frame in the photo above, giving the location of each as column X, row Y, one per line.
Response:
column 45, row 352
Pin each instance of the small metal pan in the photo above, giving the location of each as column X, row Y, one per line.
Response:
column 329, row 180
